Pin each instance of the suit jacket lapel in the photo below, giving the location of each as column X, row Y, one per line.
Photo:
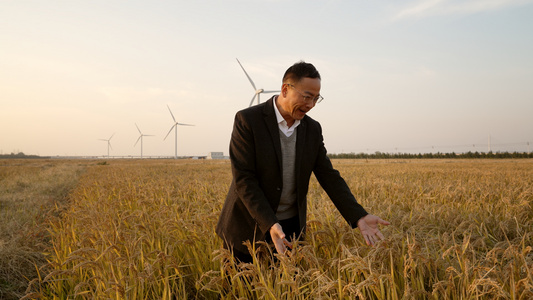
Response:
column 272, row 125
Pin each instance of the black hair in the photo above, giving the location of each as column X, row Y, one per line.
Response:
column 300, row 70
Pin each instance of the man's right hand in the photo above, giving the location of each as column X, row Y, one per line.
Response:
column 278, row 237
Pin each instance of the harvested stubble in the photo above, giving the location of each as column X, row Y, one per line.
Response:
column 145, row 230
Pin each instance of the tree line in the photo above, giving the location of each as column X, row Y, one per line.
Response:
column 469, row 154
column 20, row 155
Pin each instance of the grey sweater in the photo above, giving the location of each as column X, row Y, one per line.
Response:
column 287, row 206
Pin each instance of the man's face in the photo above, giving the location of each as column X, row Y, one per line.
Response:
column 299, row 98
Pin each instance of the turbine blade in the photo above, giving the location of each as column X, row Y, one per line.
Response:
column 271, row 92
column 171, row 114
column 253, row 98
column 140, row 137
column 184, row 124
column 251, row 81
column 138, row 128
column 169, row 131
column 111, row 136
column 110, row 145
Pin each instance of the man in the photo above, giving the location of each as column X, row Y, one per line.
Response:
column 274, row 148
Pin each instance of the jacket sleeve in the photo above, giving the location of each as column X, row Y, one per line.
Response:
column 336, row 187
column 243, row 155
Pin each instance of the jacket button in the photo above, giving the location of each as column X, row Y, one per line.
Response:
column 279, row 189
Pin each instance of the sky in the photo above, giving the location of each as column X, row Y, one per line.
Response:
column 397, row 76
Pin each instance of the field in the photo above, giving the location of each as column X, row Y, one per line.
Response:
column 144, row 229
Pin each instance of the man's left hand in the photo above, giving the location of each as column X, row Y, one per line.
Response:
column 368, row 225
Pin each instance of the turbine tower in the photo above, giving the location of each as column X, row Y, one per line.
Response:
column 175, row 127
column 108, row 144
column 141, row 139
column 257, row 91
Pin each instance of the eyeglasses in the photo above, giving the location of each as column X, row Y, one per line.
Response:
column 307, row 99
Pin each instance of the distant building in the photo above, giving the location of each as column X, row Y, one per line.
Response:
column 215, row 155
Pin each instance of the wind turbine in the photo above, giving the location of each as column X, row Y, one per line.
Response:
column 257, row 91
column 140, row 138
column 108, row 143
column 175, row 127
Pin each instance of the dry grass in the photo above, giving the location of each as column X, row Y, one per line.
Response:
column 145, row 230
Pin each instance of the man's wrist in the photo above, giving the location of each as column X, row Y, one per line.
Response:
column 278, row 224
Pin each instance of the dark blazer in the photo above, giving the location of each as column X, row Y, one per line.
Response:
column 255, row 152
